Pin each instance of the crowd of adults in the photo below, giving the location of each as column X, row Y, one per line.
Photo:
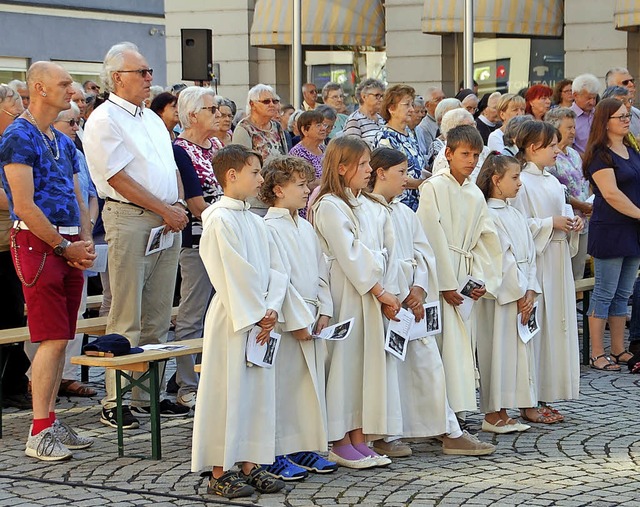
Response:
column 146, row 153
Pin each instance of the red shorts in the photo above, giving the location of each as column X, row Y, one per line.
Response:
column 55, row 298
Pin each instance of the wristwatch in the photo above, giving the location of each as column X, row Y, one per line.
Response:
column 182, row 202
column 60, row 248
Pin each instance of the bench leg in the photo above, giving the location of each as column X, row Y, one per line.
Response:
column 154, row 399
column 3, row 365
column 119, row 394
column 84, row 370
column 586, row 339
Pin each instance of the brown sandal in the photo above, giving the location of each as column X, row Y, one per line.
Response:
column 623, row 361
column 75, row 388
column 543, row 417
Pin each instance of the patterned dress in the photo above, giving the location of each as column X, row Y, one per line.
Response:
column 407, row 144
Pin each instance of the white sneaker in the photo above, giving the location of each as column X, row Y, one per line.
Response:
column 46, row 446
column 187, row 400
column 69, row 437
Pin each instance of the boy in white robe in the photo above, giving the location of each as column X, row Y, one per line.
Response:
column 235, row 409
column 456, row 220
column 301, row 418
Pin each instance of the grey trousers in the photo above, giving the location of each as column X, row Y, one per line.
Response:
column 195, row 293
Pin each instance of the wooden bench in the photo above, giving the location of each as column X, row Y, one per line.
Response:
column 146, row 363
column 95, row 326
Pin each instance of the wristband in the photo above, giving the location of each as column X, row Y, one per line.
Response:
column 378, row 296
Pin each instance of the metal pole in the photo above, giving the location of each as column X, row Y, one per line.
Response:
column 296, row 54
column 468, row 44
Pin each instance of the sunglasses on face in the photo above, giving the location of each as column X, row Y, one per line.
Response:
column 266, row 102
column 142, row 72
column 625, row 82
column 72, row 122
column 213, row 109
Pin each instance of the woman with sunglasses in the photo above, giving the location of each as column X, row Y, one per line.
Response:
column 261, row 131
column 612, row 165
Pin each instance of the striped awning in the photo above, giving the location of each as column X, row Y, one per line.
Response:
column 324, row 23
column 504, row 17
column 627, row 15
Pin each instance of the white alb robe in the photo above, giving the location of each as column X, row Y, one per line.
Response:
column 235, row 408
column 421, row 378
column 507, row 364
column 359, row 245
column 458, row 227
column 301, row 416
column 540, row 198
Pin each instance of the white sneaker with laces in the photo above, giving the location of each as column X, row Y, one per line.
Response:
column 46, row 447
column 69, row 437
column 187, row 400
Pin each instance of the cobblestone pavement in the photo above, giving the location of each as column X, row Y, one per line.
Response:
column 590, row 459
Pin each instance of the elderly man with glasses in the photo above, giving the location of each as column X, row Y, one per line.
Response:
column 310, row 96
column 130, row 158
column 619, row 76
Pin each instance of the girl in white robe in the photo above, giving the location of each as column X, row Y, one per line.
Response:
column 421, row 378
column 456, row 220
column 507, row 368
column 542, row 201
column 356, row 235
column 301, row 419
column 235, row 409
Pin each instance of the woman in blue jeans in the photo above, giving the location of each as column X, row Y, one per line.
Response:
column 612, row 166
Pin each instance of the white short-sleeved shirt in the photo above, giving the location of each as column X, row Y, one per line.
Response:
column 122, row 136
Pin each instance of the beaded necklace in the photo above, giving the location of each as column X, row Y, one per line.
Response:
column 47, row 142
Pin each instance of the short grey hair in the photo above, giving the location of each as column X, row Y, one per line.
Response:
column 615, row 91
column 557, row 114
column 611, row 72
column 113, row 61
column 77, row 87
column 191, row 100
column 328, row 88
column 328, row 112
column 74, row 110
column 255, row 92
column 9, row 94
column 366, row 85
column 16, row 85
column 512, row 127
column 222, row 101
column 429, row 93
column 444, row 106
column 419, row 101
column 493, row 100
column 585, row 82
column 454, row 118
column 154, row 91
column 293, row 119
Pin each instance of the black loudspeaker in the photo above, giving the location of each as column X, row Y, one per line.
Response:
column 197, row 55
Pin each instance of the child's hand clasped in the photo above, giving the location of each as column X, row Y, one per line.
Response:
column 267, row 323
column 323, row 321
column 452, row 297
column 414, row 301
column 478, row 293
column 302, row 335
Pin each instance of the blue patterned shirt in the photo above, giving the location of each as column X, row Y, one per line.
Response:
column 407, row 144
column 53, row 183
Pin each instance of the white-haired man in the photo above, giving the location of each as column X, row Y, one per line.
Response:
column 585, row 89
column 428, row 127
column 131, row 162
column 619, row 76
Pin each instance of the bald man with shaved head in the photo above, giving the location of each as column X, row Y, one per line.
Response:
column 50, row 243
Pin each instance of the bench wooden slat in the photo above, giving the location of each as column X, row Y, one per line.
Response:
column 585, row 284
column 193, row 346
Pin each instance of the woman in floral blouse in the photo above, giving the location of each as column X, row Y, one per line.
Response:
column 397, row 106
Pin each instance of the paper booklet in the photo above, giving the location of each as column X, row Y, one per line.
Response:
column 531, row 328
column 338, row 331
column 158, row 240
column 400, row 333
column 468, row 284
column 263, row 355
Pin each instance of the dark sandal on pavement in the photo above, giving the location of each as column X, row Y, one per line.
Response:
column 229, row 485
column 549, row 410
column 75, row 388
column 262, row 480
column 622, row 361
column 543, row 417
column 610, row 366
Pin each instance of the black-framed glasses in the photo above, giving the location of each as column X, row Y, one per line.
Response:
column 213, row 109
column 625, row 82
column 266, row 102
column 14, row 116
column 622, row 117
column 378, row 96
column 142, row 72
column 72, row 122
